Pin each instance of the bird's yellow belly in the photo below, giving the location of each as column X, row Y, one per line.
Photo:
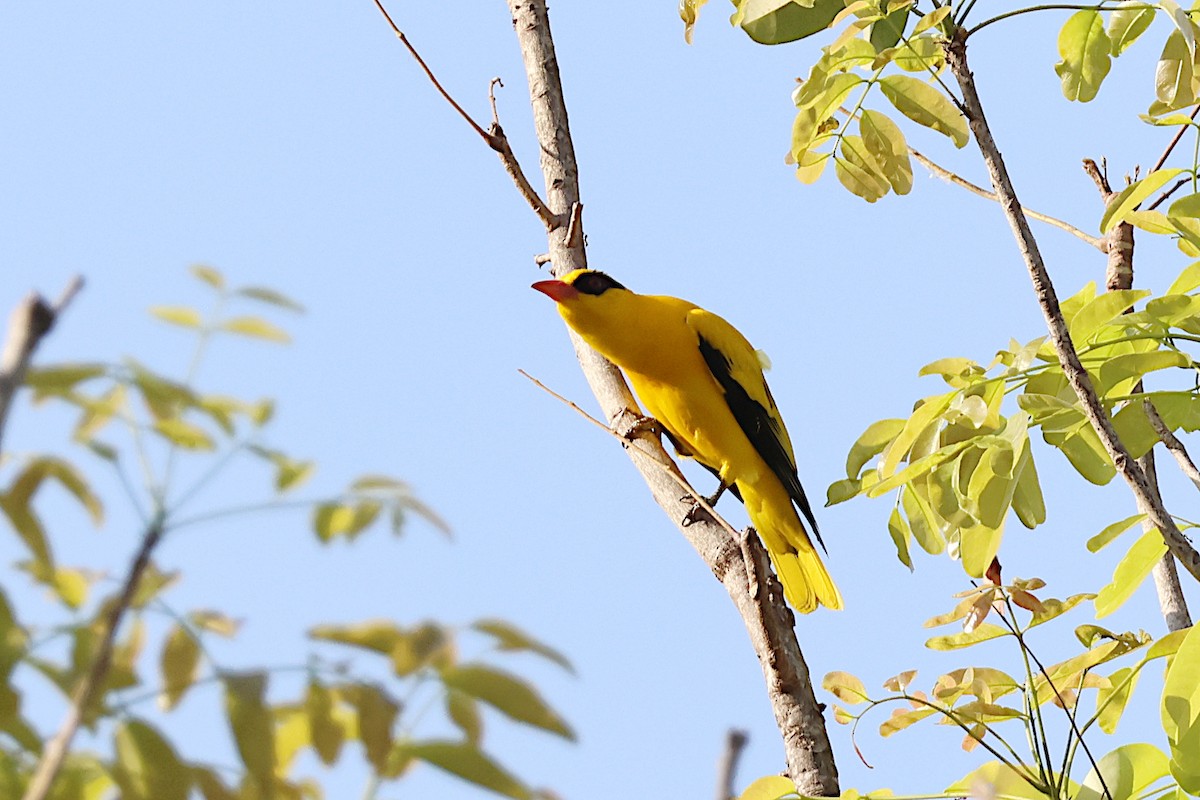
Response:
column 700, row 420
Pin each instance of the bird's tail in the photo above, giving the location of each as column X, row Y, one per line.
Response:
column 806, row 582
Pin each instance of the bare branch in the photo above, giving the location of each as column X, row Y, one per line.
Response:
column 28, row 324
column 1077, row 377
column 1174, row 141
column 766, row 616
column 1172, row 443
column 735, row 742
column 958, row 180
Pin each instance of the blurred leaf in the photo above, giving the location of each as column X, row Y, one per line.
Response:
column 26, row 485
column 926, row 106
column 152, row 583
column 291, row 736
column 468, row 762
column 1129, row 198
column 184, row 434
column 60, row 378
column 180, row 666
column 1085, row 50
column 511, row 638
column 463, row 711
column 27, row 525
column 256, row 328
column 209, row 275
column 271, row 297
column 845, row 687
column 1133, row 568
column 1181, row 713
column 147, row 766
column 772, row 787
column 331, row 520
column 326, row 732
column 1127, row 22
column 251, row 724
column 215, row 622
column 508, row 694
column 178, row 315
column 376, row 715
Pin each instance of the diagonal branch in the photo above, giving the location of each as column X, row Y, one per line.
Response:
column 767, row 618
column 1147, row 500
column 27, row 326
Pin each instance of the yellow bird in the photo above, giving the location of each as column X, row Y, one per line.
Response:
column 703, row 383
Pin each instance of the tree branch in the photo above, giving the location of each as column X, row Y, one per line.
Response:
column 28, row 324
column 1077, row 377
column 768, row 620
column 55, row 751
column 735, row 742
column 958, row 180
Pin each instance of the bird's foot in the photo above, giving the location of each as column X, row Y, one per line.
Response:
column 698, row 508
column 630, row 426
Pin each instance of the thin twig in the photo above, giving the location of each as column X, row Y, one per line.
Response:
column 55, row 751
column 1174, row 141
column 1077, row 377
column 958, row 180
column 494, row 137
column 735, row 743
column 1172, row 443
column 1166, row 195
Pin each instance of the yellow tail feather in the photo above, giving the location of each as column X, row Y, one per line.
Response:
column 806, row 581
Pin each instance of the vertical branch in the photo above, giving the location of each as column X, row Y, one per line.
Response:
column 760, row 602
column 1118, row 243
column 735, row 742
column 27, row 326
column 1147, row 500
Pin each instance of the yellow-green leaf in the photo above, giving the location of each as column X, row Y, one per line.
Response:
column 901, row 536
column 1181, row 713
column 271, row 297
column 858, row 171
column 511, row 638
column 885, row 142
column 251, row 724
column 771, row 787
column 1086, row 55
column 60, row 378
column 468, row 762
column 1174, row 77
column 508, row 694
column 957, row 641
column 1132, row 195
column 463, row 711
column 1111, row 532
column 209, row 275
column 180, row 666
column 1111, row 702
column 871, row 443
column 845, row 687
column 1131, row 571
column 926, row 106
column 256, row 327
column 377, row 714
column 326, row 732
column 147, row 766
column 184, row 434
column 183, row 316
column 1132, row 366
column 215, row 622
column 1127, row 22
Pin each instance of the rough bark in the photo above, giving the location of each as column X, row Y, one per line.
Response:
column 1147, row 500
column 742, row 567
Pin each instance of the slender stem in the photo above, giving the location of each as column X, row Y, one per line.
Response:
column 1174, row 141
column 1048, row 7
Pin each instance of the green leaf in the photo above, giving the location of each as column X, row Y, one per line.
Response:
column 1181, row 713
column 183, row 316
column 689, row 12
column 857, row 170
column 257, row 328
column 1127, row 23
column 932, row 19
column 926, row 106
column 510, row 638
column 466, row 761
column 215, row 622
column 920, row 54
column 885, row 142
column 251, row 724
column 1111, row 702
column 180, row 666
column 463, row 711
column 331, row 520
column 780, row 21
column 1052, row 608
column 60, row 378
column 771, row 787
column 887, row 31
column 209, row 275
column 1027, row 500
column 871, row 443
column 1085, row 50
column 902, row 718
column 1111, row 532
column 1151, row 221
column 508, row 694
column 926, row 527
column 271, row 297
column 1095, row 314
column 1085, row 452
column 1132, row 366
column 1188, row 280
column 1131, row 571
column 843, row 490
column 845, row 687
column 924, row 415
column 901, row 536
column 327, row 733
column 978, row 547
column 1186, row 206
column 377, row 714
column 1004, row 780
column 957, row 641
column 184, row 434
column 1174, row 76
column 1125, row 773
column 147, row 766
column 1132, row 195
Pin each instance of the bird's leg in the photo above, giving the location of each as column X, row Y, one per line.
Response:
column 697, row 508
column 630, row 425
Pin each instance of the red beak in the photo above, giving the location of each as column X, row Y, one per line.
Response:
column 557, row 290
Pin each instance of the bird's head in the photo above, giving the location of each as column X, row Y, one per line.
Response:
column 585, row 297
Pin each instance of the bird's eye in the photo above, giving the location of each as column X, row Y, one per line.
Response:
column 595, row 283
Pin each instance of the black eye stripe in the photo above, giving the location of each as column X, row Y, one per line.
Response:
column 595, row 283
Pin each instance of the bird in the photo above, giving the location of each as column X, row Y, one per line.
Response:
column 700, row 379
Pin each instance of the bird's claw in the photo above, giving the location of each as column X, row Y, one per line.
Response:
column 694, row 513
column 630, row 426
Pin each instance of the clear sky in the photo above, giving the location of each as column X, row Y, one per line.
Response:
column 297, row 146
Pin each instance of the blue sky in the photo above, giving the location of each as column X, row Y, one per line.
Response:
column 299, row 147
